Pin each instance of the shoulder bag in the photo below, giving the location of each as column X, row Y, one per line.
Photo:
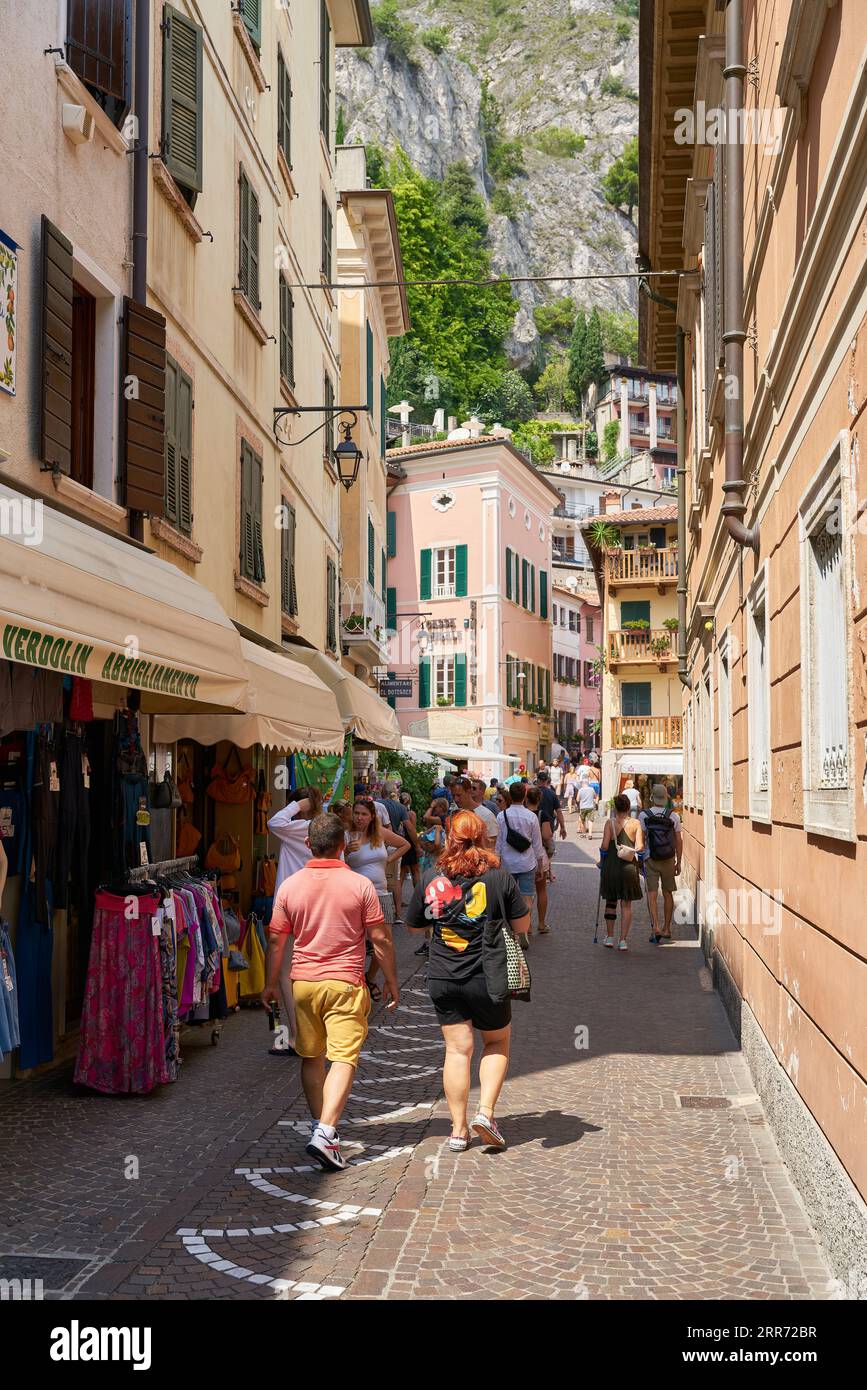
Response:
column 232, row 789
column 518, row 842
column 507, row 974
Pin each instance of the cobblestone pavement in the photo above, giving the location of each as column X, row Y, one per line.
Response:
column 613, row 1185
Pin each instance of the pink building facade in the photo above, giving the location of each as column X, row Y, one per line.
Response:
column 469, row 600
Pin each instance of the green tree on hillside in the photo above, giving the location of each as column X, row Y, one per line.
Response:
column 552, row 388
column 620, row 185
column 463, row 205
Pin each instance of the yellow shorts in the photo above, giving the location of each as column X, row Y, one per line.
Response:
column 330, row 1018
column 660, row 870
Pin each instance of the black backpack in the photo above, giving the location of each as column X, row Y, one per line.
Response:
column 660, row 836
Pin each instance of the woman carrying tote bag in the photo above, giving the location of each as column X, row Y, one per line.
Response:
column 474, row 908
column 622, row 843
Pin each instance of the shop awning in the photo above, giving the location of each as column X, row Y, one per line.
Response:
column 76, row 600
column 664, row 763
column 371, row 718
column 456, row 750
column 288, row 708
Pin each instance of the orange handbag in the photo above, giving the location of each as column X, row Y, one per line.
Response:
column 232, row 789
column 189, row 839
column 224, row 854
column 184, row 782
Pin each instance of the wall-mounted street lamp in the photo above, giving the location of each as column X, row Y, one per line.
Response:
column 346, row 455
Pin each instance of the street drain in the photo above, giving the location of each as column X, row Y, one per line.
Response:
column 54, row 1272
column 704, row 1102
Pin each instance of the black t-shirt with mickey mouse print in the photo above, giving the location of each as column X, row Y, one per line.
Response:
column 457, row 910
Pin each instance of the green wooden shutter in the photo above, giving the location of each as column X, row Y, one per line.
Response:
column 331, row 605
column 508, row 572
column 635, row 697
column 243, row 234
column 253, row 249
column 510, row 681
column 182, row 99
column 532, row 588
column 391, row 610
column 543, row 593
column 287, row 355
column 171, row 441
column 516, row 588
column 461, row 678
column 285, row 585
column 258, row 547
column 383, row 417
column 383, row 570
column 247, row 536
column 391, row 699
column 424, row 588
column 185, row 452
column 284, row 109
column 371, row 554
column 460, row 571
column 635, row 611
column 525, row 582
column 391, row 534
column 293, row 588
column 251, row 13
column 424, row 682
column 370, row 370
column 325, row 73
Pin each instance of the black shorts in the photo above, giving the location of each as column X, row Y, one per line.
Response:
column 468, row 1001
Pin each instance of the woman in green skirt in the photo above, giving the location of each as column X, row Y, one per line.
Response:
column 622, row 843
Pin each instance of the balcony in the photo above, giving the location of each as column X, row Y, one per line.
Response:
column 649, row 566
column 647, row 731
column 579, row 511
column 650, row 646
column 362, row 621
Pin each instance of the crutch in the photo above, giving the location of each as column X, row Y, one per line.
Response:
column 599, row 900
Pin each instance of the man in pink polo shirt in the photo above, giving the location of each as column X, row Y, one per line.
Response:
column 329, row 911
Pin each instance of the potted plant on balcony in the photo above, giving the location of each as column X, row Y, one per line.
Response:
column 672, row 624
column 354, row 622
column 604, row 536
column 443, row 700
column 636, row 625
column 661, row 648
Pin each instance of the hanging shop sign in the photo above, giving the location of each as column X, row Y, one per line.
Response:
column 9, row 303
column 395, row 689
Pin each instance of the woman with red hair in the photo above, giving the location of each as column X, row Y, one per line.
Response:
column 457, row 898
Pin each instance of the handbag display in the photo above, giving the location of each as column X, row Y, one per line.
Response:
column 232, row 789
column 518, row 842
column 189, row 839
column 224, row 854
column 232, row 924
column 185, row 779
column 165, row 795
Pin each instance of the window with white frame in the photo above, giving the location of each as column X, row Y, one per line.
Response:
column 759, row 698
column 444, row 572
column 444, row 679
column 825, row 543
column 724, row 691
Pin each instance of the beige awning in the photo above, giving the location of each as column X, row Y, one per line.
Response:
column 76, row 600
column 288, row 708
column 371, row 718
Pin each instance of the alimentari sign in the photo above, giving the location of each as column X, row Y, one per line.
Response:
column 36, row 648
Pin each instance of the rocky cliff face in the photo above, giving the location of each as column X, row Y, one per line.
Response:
column 552, row 66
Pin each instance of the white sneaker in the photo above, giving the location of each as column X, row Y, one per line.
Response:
column 609, row 941
column 623, row 946
column 326, row 1151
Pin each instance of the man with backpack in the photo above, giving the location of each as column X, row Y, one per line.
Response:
column 664, row 840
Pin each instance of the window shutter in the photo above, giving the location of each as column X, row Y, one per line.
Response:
column 97, row 39
column 634, row 611
column 284, row 109
column 244, row 234
column 258, row 552
column 331, row 601
column 327, row 238
column 424, row 683
column 460, row 571
column 635, row 697
column 509, row 680
column 370, row 370
column 184, row 439
column 391, row 534
column 253, row 248
column 525, row 582
column 293, row 588
column 251, row 13
column 391, row 700
column 532, row 588
column 508, row 572
column 391, row 610
column 182, row 99
column 247, row 535
column 371, row 554
column 461, row 678
column 383, row 570
column 171, row 446
column 144, row 420
column 325, row 73
column 424, row 588
column 287, row 362
column 55, row 448
column 383, row 417
column 543, row 593
column 285, row 585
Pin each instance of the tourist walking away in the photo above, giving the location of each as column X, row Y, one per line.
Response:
column 570, row 782
column 409, row 865
column 664, row 840
column 622, row 843
column 519, row 842
column 329, row 912
column 587, row 803
column 290, row 826
column 482, row 809
column 399, row 821
column 372, row 849
column 467, row 893
column 633, row 795
column 550, row 801
column 533, row 803
column 431, row 843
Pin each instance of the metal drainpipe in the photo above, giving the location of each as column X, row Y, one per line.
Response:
column 734, row 506
column 682, row 666
column 140, row 180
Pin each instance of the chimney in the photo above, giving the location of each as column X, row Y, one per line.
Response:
column 611, row 502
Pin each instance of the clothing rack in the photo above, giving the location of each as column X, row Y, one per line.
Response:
column 162, row 866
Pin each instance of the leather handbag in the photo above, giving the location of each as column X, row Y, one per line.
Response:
column 165, row 795
column 185, row 779
column 189, row 839
column 224, row 854
column 232, row 789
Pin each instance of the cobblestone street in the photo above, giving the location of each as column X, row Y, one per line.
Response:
column 616, row 1184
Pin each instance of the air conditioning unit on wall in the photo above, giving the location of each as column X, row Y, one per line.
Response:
column 78, row 124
